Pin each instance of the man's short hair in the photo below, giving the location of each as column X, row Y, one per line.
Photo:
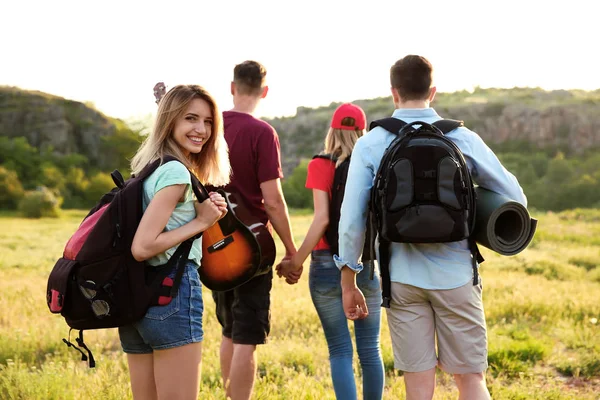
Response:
column 249, row 77
column 412, row 77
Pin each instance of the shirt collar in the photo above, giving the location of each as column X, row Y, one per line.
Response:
column 414, row 113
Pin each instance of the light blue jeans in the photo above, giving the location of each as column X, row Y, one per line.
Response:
column 326, row 293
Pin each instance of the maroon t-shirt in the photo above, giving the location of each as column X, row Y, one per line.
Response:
column 255, row 158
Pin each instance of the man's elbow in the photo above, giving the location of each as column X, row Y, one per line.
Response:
column 274, row 205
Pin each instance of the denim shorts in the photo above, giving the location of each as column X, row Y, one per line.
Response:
column 173, row 325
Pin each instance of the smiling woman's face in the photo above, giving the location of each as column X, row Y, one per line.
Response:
column 193, row 127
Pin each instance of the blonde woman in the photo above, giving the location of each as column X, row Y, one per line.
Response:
column 164, row 348
column 347, row 125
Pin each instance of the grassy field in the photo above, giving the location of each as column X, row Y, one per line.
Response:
column 542, row 308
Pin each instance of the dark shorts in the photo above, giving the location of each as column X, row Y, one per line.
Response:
column 244, row 312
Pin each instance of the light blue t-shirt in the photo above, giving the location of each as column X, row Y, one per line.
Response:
column 427, row 266
column 168, row 174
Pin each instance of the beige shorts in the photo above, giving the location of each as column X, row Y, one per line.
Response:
column 416, row 316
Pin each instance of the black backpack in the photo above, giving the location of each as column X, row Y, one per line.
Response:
column 335, row 206
column 423, row 192
column 97, row 283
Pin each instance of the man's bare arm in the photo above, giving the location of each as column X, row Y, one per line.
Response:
column 277, row 212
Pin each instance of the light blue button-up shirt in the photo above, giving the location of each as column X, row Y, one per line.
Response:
column 431, row 265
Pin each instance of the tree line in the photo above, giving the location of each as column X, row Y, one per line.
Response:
column 551, row 180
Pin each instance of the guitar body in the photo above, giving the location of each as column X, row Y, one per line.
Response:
column 235, row 249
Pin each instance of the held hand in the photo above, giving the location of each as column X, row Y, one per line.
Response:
column 289, row 271
column 219, row 201
column 285, row 261
column 207, row 212
column 354, row 303
column 294, row 276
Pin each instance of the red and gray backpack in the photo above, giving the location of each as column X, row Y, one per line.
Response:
column 97, row 283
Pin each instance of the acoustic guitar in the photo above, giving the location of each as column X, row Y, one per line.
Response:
column 236, row 248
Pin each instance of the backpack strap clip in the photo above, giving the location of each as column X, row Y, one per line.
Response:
column 118, row 179
column 79, row 340
column 477, row 258
column 81, row 343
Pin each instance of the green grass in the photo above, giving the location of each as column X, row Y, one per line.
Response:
column 542, row 309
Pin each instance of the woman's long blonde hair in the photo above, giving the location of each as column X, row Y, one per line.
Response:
column 211, row 165
column 340, row 142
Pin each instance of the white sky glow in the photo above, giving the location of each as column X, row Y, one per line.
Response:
column 113, row 52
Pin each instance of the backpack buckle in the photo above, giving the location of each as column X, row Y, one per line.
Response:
column 386, row 302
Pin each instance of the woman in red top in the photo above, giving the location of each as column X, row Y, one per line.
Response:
column 347, row 125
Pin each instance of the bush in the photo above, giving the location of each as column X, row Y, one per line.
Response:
column 40, row 203
column 514, row 350
column 12, row 191
column 100, row 184
column 586, row 365
column 553, row 270
column 76, row 185
column 17, row 154
column 52, row 177
column 296, row 195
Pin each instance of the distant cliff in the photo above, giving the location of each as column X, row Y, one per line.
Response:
column 518, row 119
column 51, row 122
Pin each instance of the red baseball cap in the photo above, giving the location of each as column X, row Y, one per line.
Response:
column 349, row 117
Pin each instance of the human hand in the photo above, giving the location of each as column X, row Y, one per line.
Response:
column 219, row 201
column 280, row 265
column 207, row 212
column 353, row 301
column 289, row 270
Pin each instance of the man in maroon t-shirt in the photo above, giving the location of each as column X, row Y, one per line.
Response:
column 256, row 172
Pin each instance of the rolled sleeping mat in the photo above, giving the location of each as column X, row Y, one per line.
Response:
column 501, row 224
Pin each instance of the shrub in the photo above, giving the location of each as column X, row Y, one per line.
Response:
column 514, row 351
column 100, row 184
column 553, row 270
column 52, row 177
column 12, row 191
column 76, row 186
column 586, row 365
column 296, row 195
column 585, row 262
column 40, row 203
column 595, row 275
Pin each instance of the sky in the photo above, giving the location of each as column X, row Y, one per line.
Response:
column 111, row 53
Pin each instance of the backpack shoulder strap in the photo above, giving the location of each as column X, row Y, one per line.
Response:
column 325, row 157
column 448, row 125
column 151, row 167
column 391, row 124
column 198, row 188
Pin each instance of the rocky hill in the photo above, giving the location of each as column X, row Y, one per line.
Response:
column 516, row 119
column 519, row 119
column 51, row 122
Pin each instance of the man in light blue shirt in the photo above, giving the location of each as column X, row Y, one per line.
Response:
column 433, row 295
